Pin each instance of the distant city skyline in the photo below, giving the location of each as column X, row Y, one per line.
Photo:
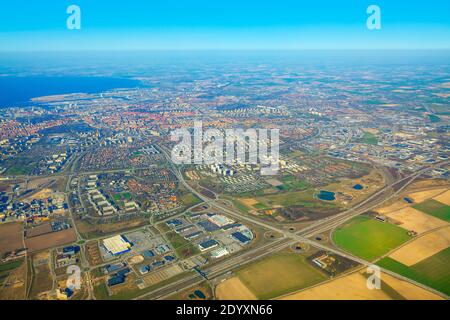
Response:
column 230, row 25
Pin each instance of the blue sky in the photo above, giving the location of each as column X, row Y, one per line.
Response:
column 32, row 25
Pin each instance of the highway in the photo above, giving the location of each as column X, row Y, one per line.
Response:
column 302, row 236
column 391, row 190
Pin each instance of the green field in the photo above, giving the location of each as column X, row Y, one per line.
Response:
column 279, row 274
column 287, row 199
column 16, row 170
column 7, row 268
column 291, row 183
column 433, row 271
column 101, row 291
column 435, row 208
column 183, row 247
column 369, row 238
column 239, row 205
column 122, row 196
column 189, row 199
column 260, row 206
column 369, row 138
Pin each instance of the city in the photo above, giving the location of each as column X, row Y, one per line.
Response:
column 355, row 206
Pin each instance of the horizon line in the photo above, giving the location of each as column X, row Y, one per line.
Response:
column 231, row 50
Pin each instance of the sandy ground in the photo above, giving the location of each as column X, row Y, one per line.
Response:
column 415, row 220
column 136, row 259
column 42, row 195
column 163, row 274
column 353, row 287
column 425, row 195
column 444, row 198
column 41, row 256
column 249, row 201
column 233, row 289
column 423, row 247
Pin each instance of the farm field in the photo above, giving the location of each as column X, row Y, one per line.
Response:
column 422, row 196
column 41, row 279
column 12, row 280
column 400, row 204
column 279, row 274
column 369, row 238
column 433, row 271
column 423, row 247
column 444, row 198
column 10, row 237
column 435, row 209
column 233, row 289
column 414, row 220
column 353, row 287
column 50, row 240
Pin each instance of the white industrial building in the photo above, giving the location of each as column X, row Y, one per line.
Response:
column 218, row 253
column 117, row 245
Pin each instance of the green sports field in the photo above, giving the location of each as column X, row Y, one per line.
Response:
column 368, row 238
column 122, row 196
column 435, row 208
column 433, row 271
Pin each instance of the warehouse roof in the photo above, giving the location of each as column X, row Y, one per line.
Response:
column 116, row 245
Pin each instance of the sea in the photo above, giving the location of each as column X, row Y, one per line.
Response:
column 18, row 91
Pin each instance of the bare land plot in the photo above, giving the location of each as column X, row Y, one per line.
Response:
column 248, row 201
column 11, row 237
column 43, row 194
column 50, row 240
column 164, row 274
column 39, row 230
